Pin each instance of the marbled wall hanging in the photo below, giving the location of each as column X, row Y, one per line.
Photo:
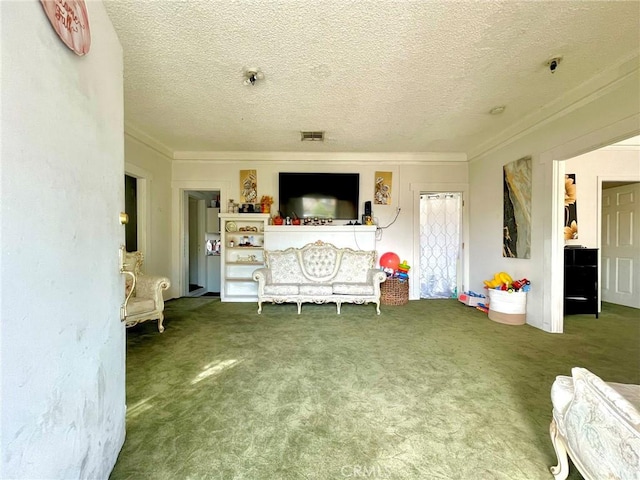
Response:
column 517, row 209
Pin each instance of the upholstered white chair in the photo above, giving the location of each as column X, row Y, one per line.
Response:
column 143, row 293
column 597, row 424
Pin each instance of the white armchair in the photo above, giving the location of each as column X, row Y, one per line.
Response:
column 598, row 425
column 143, row 293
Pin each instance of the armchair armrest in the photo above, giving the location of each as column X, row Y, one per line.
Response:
column 151, row 286
column 262, row 276
column 376, row 276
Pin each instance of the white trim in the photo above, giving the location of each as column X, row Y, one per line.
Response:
column 202, row 256
column 143, row 202
column 554, row 268
column 368, row 158
column 146, row 139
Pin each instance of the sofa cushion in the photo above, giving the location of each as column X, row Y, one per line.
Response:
column 355, row 266
column 281, row 289
column 316, row 289
column 319, row 263
column 630, row 392
column 561, row 393
column 140, row 305
column 284, row 266
column 353, row 288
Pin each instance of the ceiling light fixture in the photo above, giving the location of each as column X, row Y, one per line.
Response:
column 252, row 75
column 497, row 110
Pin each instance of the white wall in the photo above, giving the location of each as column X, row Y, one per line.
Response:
column 400, row 237
column 154, row 168
column 603, row 117
column 62, row 350
column 612, row 163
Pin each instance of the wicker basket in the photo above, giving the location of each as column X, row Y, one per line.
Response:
column 394, row 292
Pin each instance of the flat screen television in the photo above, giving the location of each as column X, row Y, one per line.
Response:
column 321, row 195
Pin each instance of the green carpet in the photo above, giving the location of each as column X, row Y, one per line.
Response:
column 429, row 390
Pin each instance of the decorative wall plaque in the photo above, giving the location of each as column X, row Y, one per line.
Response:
column 70, row 20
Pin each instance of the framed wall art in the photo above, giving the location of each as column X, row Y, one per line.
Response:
column 248, row 186
column 382, row 188
column 570, row 208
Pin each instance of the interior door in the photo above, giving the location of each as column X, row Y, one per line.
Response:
column 620, row 246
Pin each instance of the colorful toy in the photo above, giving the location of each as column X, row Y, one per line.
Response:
column 503, row 281
column 389, row 261
column 403, row 267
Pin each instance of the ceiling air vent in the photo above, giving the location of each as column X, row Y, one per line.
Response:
column 312, row 136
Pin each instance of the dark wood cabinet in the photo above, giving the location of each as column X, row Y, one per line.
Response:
column 581, row 281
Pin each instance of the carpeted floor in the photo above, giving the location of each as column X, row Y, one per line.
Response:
column 429, row 390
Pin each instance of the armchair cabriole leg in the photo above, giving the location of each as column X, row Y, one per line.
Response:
column 160, row 326
column 259, row 307
column 561, row 470
column 378, row 307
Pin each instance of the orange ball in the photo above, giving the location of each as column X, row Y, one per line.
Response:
column 390, row 260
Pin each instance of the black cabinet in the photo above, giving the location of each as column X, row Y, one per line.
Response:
column 581, row 281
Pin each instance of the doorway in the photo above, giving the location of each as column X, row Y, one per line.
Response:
column 440, row 244
column 131, row 208
column 605, row 170
column 200, row 266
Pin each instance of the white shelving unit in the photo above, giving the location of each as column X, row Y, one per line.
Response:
column 245, row 231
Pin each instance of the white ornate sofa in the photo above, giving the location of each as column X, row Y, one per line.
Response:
column 320, row 273
column 598, row 425
column 143, row 293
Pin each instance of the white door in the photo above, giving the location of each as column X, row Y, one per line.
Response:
column 440, row 244
column 620, row 245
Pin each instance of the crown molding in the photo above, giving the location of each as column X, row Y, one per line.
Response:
column 146, row 139
column 330, row 157
column 583, row 94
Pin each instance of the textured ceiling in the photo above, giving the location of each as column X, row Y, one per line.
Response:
column 376, row 76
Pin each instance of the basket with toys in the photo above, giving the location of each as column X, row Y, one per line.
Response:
column 507, row 299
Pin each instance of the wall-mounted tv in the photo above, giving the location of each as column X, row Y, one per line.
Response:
column 321, row 195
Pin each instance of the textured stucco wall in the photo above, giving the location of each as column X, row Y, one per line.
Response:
column 62, row 350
